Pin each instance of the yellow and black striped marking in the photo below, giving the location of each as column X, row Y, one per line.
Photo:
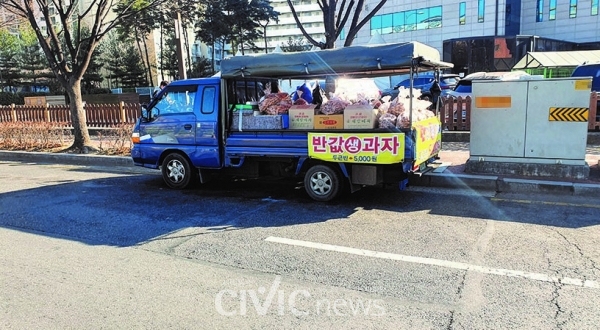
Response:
column 569, row 114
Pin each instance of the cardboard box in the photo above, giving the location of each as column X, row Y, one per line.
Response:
column 302, row 116
column 329, row 121
column 358, row 116
column 249, row 121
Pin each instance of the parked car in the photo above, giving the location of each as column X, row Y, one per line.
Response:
column 590, row 70
column 464, row 87
column 424, row 82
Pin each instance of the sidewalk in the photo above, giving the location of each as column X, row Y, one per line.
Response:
column 457, row 153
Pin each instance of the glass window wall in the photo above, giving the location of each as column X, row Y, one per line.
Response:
column 480, row 11
column 552, row 10
column 410, row 20
column 462, row 13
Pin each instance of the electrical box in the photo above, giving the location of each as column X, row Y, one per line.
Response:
column 536, row 120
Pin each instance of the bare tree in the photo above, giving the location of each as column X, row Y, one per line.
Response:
column 335, row 18
column 67, row 48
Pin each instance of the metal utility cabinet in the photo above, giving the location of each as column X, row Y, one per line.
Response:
column 529, row 121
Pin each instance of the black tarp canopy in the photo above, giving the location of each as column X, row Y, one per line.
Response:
column 353, row 61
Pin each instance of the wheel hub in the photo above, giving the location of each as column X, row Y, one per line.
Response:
column 176, row 171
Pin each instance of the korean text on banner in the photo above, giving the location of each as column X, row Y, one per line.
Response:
column 429, row 139
column 366, row 148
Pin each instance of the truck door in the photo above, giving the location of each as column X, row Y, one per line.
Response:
column 207, row 128
column 172, row 124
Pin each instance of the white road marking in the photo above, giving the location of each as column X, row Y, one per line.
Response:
column 438, row 262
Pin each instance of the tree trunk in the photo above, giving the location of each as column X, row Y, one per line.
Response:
column 162, row 72
column 82, row 142
column 137, row 41
column 187, row 50
column 151, row 82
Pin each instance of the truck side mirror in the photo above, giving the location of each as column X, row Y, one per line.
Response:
column 148, row 114
column 144, row 111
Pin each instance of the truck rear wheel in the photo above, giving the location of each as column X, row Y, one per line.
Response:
column 322, row 183
column 176, row 171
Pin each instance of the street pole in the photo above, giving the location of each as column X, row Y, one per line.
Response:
column 179, row 44
column 265, row 35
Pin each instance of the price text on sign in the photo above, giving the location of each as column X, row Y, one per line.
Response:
column 382, row 148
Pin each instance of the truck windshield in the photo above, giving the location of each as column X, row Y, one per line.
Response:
column 176, row 99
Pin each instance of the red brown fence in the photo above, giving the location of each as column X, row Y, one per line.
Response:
column 97, row 115
column 455, row 113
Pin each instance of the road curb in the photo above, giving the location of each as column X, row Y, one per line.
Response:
column 509, row 185
column 68, row 159
column 450, row 180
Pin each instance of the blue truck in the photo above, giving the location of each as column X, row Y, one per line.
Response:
column 192, row 131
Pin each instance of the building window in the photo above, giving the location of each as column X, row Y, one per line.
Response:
column 343, row 33
column 480, row 10
column 376, row 24
column 435, row 18
column 573, row 9
column 411, row 20
column 552, row 10
column 398, row 19
column 462, row 13
column 539, row 11
column 386, row 24
column 594, row 8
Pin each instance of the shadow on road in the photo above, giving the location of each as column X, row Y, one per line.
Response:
column 135, row 208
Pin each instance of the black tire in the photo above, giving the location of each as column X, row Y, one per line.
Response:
column 176, row 171
column 322, row 183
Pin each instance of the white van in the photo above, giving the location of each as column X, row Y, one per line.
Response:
column 464, row 86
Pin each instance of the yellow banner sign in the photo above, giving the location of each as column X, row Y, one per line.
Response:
column 364, row 148
column 428, row 139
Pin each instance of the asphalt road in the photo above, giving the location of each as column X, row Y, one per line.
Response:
column 93, row 247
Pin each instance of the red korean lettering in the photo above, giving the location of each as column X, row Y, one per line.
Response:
column 336, row 144
column 319, row 144
column 390, row 144
column 353, row 145
column 371, row 144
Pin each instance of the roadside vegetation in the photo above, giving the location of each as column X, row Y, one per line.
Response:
column 50, row 137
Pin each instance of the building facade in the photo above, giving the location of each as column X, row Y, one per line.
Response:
column 309, row 14
column 487, row 35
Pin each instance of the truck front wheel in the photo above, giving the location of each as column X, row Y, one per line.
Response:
column 322, row 183
column 176, row 171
